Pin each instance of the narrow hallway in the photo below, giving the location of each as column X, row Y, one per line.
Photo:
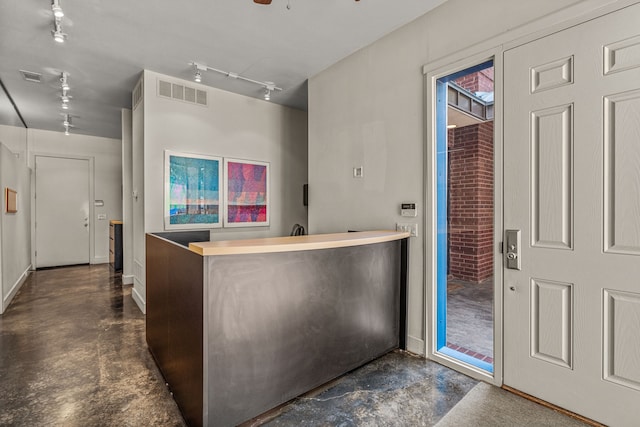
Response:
column 73, row 353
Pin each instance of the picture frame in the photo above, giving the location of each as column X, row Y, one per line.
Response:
column 246, row 193
column 11, row 200
column 192, row 191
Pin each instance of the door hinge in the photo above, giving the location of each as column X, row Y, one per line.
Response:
column 501, row 247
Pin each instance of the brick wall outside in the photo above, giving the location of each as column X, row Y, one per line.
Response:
column 471, row 202
column 482, row 81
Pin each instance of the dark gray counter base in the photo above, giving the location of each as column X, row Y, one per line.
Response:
column 275, row 326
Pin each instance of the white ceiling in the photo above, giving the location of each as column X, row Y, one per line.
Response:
column 110, row 42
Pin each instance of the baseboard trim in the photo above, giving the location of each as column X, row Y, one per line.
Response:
column 15, row 288
column 127, row 280
column 142, row 305
column 100, row 260
column 546, row 404
column 415, row 345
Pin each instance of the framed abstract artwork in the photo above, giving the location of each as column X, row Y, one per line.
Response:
column 192, row 191
column 246, row 193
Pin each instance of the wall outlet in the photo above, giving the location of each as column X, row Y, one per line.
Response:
column 409, row 227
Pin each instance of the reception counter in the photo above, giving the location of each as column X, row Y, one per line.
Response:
column 240, row 327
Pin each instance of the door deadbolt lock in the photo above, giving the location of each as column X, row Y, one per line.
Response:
column 512, row 238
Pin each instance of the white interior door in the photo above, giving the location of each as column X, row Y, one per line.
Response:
column 62, row 211
column 572, row 186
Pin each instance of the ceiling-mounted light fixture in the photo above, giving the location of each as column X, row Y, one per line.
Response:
column 56, row 9
column 57, row 33
column 268, row 86
column 65, row 99
column 64, row 81
column 67, row 123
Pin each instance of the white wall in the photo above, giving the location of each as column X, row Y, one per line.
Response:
column 137, row 178
column 106, row 153
column 367, row 110
column 127, row 200
column 15, row 139
column 15, row 228
column 230, row 126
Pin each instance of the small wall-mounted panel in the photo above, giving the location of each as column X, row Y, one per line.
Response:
column 621, row 358
column 551, row 75
column 621, row 56
column 622, row 173
column 552, row 177
column 552, row 322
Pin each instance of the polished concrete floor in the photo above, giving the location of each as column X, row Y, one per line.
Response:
column 73, row 353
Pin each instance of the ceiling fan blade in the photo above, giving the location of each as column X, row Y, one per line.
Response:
column 262, row 1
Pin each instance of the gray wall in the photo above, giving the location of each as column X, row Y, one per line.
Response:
column 15, row 228
column 367, row 110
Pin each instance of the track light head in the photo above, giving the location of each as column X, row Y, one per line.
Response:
column 57, row 33
column 64, row 83
column 65, row 99
column 197, row 77
column 267, row 94
column 56, row 9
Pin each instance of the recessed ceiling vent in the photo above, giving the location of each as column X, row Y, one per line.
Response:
column 31, row 76
column 182, row 93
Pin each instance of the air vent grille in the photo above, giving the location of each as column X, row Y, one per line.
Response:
column 164, row 88
column 31, row 76
column 137, row 94
column 201, row 97
column 189, row 94
column 182, row 93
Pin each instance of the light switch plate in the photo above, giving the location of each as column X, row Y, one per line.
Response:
column 102, row 216
column 410, row 227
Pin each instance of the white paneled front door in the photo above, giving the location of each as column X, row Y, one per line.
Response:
column 572, row 186
column 62, row 211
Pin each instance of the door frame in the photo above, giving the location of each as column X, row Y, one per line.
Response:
column 493, row 47
column 92, row 221
column 430, row 226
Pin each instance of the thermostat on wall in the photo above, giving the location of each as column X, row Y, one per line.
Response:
column 408, row 209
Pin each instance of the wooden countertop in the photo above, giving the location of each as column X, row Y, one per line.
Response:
column 295, row 243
